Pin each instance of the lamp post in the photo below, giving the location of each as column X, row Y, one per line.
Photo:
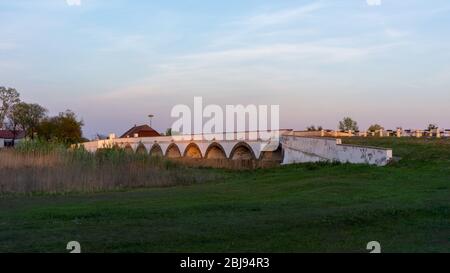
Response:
column 151, row 117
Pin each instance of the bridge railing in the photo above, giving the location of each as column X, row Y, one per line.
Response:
column 243, row 136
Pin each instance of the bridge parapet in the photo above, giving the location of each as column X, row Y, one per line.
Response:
column 182, row 145
column 314, row 149
column 294, row 149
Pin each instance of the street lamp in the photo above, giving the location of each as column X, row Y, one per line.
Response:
column 151, row 117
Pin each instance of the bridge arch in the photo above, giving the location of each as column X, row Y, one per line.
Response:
column 215, row 151
column 141, row 149
column 173, row 151
column 192, row 151
column 128, row 149
column 242, row 151
column 276, row 155
column 156, row 151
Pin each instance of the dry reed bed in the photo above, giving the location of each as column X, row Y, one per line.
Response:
column 62, row 171
column 229, row 164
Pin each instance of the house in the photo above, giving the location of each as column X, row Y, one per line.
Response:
column 408, row 133
column 447, row 133
column 7, row 137
column 140, row 131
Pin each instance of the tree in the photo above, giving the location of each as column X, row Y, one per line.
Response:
column 64, row 128
column 432, row 126
column 99, row 136
column 348, row 124
column 375, row 128
column 169, row 132
column 313, row 128
column 13, row 126
column 27, row 116
column 8, row 98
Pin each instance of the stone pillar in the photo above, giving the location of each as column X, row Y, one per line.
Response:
column 399, row 132
column 381, row 133
column 438, row 133
column 322, row 133
column 418, row 133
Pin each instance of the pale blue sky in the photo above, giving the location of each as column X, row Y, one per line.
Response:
column 115, row 61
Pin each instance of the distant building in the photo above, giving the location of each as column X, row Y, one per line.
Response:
column 407, row 133
column 447, row 133
column 7, row 137
column 140, row 131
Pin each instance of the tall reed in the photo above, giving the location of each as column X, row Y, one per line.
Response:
column 36, row 167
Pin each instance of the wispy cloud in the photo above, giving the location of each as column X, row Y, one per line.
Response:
column 373, row 2
column 395, row 33
column 250, row 52
column 268, row 67
column 282, row 16
column 117, row 43
column 73, row 2
column 277, row 51
column 266, row 25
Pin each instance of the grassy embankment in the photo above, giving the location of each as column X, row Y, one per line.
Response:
column 302, row 208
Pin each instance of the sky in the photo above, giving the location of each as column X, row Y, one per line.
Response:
column 114, row 62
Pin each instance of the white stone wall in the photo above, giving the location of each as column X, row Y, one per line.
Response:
column 296, row 149
column 365, row 155
column 303, row 149
column 182, row 143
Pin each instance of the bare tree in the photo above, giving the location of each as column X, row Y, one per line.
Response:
column 8, row 98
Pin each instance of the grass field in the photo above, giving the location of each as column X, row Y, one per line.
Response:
column 301, row 208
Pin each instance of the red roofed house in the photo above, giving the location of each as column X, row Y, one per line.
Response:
column 141, row 131
column 7, row 137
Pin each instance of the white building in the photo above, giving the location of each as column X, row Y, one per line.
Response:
column 7, row 137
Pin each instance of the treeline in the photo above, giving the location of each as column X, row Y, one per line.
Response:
column 32, row 120
column 348, row 124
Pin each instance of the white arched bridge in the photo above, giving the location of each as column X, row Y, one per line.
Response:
column 282, row 147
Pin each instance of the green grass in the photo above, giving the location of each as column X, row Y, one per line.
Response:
column 301, row 208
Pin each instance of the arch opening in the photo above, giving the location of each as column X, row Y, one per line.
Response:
column 128, row 149
column 215, row 151
column 156, row 151
column 192, row 151
column 141, row 149
column 242, row 151
column 173, row 151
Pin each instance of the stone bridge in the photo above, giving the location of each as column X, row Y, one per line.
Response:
column 283, row 147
